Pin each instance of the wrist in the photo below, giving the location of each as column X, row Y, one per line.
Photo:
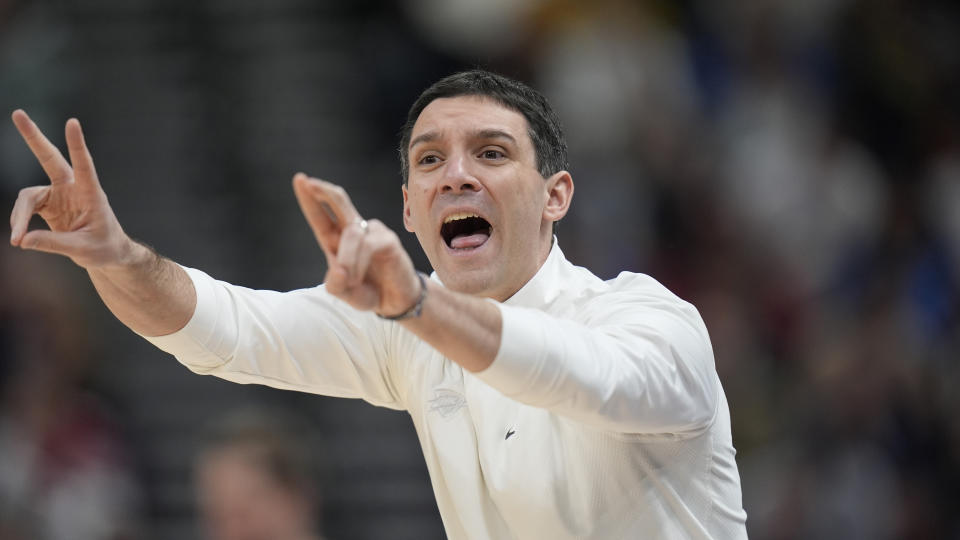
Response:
column 416, row 309
column 130, row 255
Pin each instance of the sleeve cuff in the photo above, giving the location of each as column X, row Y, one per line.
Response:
column 521, row 354
column 200, row 345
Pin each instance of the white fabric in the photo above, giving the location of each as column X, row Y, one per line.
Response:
column 601, row 417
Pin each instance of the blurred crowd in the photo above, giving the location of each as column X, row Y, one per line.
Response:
column 791, row 168
column 65, row 470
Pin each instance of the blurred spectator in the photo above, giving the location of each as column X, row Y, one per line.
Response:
column 470, row 28
column 64, row 470
column 255, row 480
column 621, row 84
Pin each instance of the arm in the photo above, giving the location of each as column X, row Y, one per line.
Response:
column 637, row 360
column 150, row 294
column 461, row 327
column 238, row 334
column 304, row 340
column 642, row 364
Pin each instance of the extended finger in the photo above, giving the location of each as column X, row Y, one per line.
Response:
column 27, row 202
column 80, row 157
column 50, row 158
column 322, row 224
column 337, row 199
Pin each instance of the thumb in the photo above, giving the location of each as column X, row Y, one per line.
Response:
column 364, row 296
column 61, row 243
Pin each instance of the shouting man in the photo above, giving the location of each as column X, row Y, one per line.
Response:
column 549, row 403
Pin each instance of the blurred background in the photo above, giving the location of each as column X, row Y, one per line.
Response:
column 791, row 168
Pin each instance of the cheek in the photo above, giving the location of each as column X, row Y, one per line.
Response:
column 532, row 205
column 414, row 205
column 422, row 225
column 419, row 198
column 421, row 216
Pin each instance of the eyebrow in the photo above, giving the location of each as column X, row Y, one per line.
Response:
column 431, row 136
column 425, row 137
column 494, row 134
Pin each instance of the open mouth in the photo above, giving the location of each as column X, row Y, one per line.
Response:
column 465, row 231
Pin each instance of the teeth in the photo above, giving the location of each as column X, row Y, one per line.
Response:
column 461, row 215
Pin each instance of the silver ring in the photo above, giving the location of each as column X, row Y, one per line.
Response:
column 364, row 226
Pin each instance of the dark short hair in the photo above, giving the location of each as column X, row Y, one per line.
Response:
column 543, row 124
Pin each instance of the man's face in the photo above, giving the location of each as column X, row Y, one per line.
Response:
column 474, row 198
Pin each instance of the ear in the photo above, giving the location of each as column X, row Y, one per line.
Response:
column 407, row 223
column 559, row 191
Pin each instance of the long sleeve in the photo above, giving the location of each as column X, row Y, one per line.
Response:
column 304, row 340
column 631, row 358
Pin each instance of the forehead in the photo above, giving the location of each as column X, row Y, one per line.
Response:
column 444, row 117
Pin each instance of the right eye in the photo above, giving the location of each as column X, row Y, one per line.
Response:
column 429, row 159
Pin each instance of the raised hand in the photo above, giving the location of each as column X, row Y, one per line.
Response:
column 75, row 208
column 367, row 266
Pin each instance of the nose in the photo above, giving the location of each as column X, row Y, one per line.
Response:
column 457, row 176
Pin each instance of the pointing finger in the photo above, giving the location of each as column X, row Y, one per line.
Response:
column 52, row 161
column 79, row 154
column 322, row 224
column 338, row 200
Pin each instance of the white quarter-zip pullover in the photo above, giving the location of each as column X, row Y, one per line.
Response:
column 601, row 417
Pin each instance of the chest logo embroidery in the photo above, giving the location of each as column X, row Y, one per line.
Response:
column 446, row 402
column 510, row 433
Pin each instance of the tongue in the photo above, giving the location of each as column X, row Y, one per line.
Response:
column 462, row 241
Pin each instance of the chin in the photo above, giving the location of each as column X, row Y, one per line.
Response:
column 472, row 282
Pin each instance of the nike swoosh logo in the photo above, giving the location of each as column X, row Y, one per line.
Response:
column 509, row 434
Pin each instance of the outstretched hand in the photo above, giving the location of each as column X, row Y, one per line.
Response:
column 367, row 266
column 81, row 223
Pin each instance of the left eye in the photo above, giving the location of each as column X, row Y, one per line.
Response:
column 492, row 154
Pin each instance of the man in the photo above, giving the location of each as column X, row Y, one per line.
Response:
column 548, row 403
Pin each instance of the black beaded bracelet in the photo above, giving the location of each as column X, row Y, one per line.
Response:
column 417, row 308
